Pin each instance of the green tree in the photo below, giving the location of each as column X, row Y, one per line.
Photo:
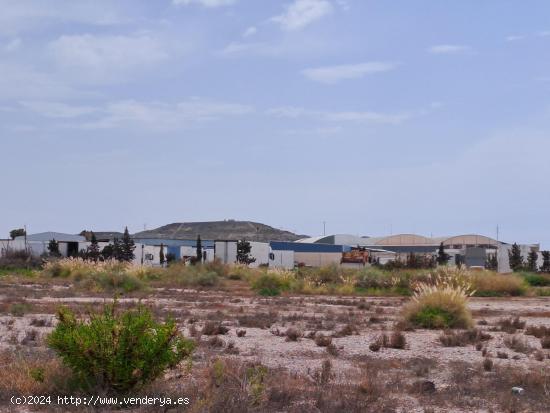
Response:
column 243, row 253
column 117, row 352
column 492, row 262
column 161, row 255
column 545, row 261
column 93, row 252
column 19, row 232
column 199, row 250
column 117, row 250
column 532, row 260
column 127, row 247
column 515, row 258
column 53, row 248
column 107, row 253
column 442, row 256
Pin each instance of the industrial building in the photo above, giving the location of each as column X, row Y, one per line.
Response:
column 347, row 250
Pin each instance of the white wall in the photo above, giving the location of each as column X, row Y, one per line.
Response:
column 282, row 259
column 226, row 251
column 186, row 251
column 260, row 251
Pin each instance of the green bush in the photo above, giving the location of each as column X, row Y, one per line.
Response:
column 269, row 285
column 537, row 280
column 117, row 351
column 208, row 279
column 439, row 306
column 433, row 317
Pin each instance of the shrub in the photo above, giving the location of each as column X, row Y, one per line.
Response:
column 537, row 280
column 487, row 364
column 439, row 306
column 537, row 331
column 211, row 328
column 269, row 285
column 454, row 339
column 241, row 333
column 510, row 325
column 293, row 334
column 545, row 342
column 323, row 341
column 397, row 340
column 20, row 259
column 491, row 284
column 117, row 351
column 518, row 344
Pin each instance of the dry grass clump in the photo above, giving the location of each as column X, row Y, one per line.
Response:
column 538, row 331
column 211, row 328
column 451, row 338
column 258, row 320
column 293, row 334
column 395, row 340
column 442, row 304
column 518, row 344
column 322, row 341
column 25, row 374
column 510, row 325
column 488, row 284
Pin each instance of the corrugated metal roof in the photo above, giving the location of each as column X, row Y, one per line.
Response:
column 58, row 236
column 307, row 247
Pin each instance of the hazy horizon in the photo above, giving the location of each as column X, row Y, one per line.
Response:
column 411, row 117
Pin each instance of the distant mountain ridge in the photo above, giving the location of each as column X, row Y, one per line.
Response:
column 220, row 230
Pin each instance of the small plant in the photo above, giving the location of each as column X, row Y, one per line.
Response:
column 375, row 346
column 502, row 355
column 117, row 351
column 19, row 309
column 212, row 328
column 323, row 341
column 269, row 285
column 510, row 325
column 545, row 342
column 397, row 340
column 487, row 364
column 333, row 350
column 440, row 305
column 293, row 334
column 518, row 344
column 460, row 339
column 241, row 333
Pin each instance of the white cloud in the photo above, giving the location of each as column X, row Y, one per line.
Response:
column 449, row 49
column 104, row 59
column 22, row 82
column 164, row 116
column 345, row 116
column 13, row 45
column 333, row 74
column 515, row 37
column 301, row 13
column 205, row 3
column 57, row 109
column 544, row 33
column 26, row 16
column 250, row 31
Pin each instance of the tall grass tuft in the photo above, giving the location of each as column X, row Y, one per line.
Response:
column 441, row 303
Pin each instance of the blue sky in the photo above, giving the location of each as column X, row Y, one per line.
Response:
column 374, row 116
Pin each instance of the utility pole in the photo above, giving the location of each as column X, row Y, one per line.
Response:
column 324, row 228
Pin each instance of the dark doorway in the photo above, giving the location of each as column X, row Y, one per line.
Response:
column 72, row 249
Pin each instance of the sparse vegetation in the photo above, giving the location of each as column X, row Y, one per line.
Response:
column 117, row 351
column 441, row 304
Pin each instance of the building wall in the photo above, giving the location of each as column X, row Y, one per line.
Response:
column 282, row 259
column 317, row 259
column 260, row 251
column 226, row 251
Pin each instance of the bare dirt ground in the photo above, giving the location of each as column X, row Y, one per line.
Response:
column 27, row 315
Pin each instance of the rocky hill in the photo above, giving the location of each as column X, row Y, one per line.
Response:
column 220, row 230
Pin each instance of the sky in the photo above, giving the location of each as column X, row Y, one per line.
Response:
column 375, row 117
